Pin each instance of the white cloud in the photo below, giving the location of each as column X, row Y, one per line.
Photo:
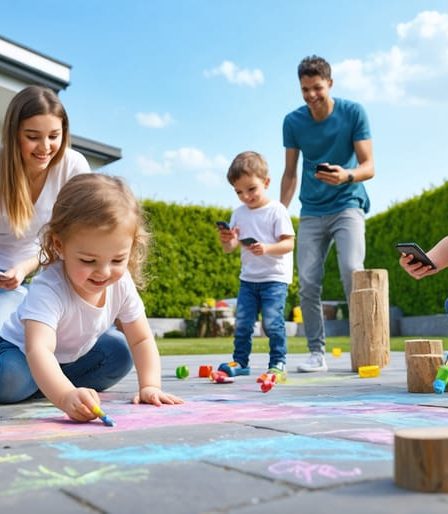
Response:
column 154, row 120
column 150, row 167
column 236, row 75
column 413, row 71
column 209, row 171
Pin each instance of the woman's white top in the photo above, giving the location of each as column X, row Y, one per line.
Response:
column 14, row 250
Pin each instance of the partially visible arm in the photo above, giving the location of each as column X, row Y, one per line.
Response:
column 40, row 345
column 439, row 254
column 289, row 179
column 284, row 245
column 364, row 154
column 147, row 363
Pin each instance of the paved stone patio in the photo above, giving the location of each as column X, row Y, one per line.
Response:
column 318, row 443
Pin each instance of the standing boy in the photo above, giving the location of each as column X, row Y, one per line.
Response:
column 263, row 229
column 335, row 134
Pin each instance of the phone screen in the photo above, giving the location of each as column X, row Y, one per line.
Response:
column 415, row 250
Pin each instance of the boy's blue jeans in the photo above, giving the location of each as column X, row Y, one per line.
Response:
column 315, row 237
column 268, row 298
column 103, row 366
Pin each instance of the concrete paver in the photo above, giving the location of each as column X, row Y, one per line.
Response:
column 319, row 441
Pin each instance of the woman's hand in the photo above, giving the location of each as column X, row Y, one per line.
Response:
column 12, row 278
column 155, row 396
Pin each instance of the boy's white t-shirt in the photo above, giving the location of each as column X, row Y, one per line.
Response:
column 78, row 324
column 265, row 224
column 14, row 250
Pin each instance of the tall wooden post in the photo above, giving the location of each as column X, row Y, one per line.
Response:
column 369, row 319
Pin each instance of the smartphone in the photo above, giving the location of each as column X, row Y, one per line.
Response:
column 324, row 167
column 248, row 241
column 417, row 252
column 223, row 225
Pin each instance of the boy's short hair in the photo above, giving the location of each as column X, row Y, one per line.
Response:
column 314, row 65
column 247, row 163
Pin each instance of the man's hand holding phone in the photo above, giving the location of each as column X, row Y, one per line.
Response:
column 331, row 174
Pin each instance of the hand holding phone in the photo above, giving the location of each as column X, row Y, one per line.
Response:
column 223, row 225
column 325, row 167
column 418, row 254
column 247, row 241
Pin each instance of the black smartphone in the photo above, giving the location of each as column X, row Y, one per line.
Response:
column 247, row 241
column 417, row 252
column 324, row 167
column 223, row 225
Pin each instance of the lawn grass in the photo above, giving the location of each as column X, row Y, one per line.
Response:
column 217, row 345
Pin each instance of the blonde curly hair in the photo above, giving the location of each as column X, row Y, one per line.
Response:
column 97, row 201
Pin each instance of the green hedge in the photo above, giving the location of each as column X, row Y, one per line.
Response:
column 187, row 265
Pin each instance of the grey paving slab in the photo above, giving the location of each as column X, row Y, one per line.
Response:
column 316, row 440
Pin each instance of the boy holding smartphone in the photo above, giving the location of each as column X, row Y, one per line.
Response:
column 266, row 264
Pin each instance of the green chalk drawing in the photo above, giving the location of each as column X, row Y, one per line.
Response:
column 7, row 459
column 44, row 478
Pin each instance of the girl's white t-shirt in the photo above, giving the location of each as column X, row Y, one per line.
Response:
column 14, row 250
column 265, row 224
column 78, row 324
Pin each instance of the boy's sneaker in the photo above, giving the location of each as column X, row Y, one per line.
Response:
column 315, row 362
column 279, row 370
column 233, row 369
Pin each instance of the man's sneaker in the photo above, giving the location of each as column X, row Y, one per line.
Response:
column 315, row 362
column 279, row 370
column 233, row 369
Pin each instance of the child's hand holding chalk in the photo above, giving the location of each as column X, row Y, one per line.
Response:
column 109, row 422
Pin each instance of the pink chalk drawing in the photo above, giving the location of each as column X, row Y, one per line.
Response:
column 307, row 471
column 371, row 435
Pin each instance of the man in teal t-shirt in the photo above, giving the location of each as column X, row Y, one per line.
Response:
column 334, row 134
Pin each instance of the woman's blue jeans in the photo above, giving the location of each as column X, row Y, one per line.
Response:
column 268, row 298
column 103, row 366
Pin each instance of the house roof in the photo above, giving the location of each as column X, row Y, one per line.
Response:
column 21, row 66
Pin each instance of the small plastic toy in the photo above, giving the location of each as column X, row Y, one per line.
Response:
column 336, row 352
column 441, row 380
column 205, row 371
column 220, row 377
column 368, row 371
column 182, row 371
column 267, row 381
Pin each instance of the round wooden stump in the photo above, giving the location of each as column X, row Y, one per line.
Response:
column 421, row 455
column 422, row 371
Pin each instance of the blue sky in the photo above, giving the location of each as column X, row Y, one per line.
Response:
column 182, row 86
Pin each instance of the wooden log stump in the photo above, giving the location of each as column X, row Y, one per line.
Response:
column 369, row 318
column 423, row 347
column 422, row 371
column 420, row 461
column 368, row 330
column 374, row 279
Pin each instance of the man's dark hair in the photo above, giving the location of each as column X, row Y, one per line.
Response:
column 314, row 65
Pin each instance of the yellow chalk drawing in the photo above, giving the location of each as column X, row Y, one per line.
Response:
column 44, row 478
column 7, row 459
